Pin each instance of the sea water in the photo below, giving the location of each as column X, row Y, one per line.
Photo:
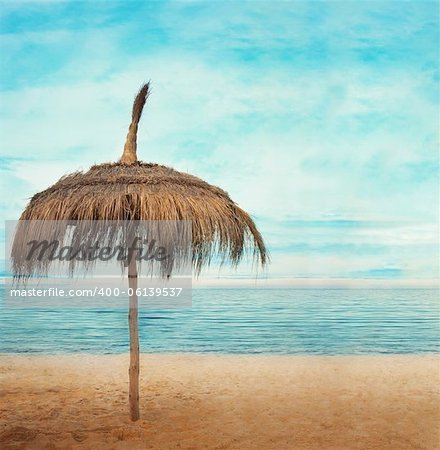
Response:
column 241, row 321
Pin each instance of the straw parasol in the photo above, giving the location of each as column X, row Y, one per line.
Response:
column 132, row 190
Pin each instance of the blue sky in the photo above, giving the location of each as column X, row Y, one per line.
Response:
column 319, row 118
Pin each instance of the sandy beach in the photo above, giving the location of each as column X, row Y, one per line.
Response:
column 221, row 402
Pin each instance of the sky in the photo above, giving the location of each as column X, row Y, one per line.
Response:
column 321, row 119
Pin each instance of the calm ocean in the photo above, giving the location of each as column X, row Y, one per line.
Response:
column 247, row 321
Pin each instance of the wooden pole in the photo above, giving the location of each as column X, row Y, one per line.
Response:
column 134, row 342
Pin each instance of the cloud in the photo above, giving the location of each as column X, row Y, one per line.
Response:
column 379, row 272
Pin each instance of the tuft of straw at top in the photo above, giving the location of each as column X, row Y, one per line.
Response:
column 129, row 155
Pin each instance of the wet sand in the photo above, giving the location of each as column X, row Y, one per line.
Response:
column 221, row 402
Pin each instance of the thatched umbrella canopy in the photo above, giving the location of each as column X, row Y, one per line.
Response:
column 131, row 190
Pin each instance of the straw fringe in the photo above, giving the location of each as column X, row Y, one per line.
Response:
column 151, row 192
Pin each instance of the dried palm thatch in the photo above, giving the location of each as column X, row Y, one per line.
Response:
column 148, row 192
column 134, row 190
column 131, row 190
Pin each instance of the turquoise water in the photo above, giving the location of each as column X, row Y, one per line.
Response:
column 247, row 321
